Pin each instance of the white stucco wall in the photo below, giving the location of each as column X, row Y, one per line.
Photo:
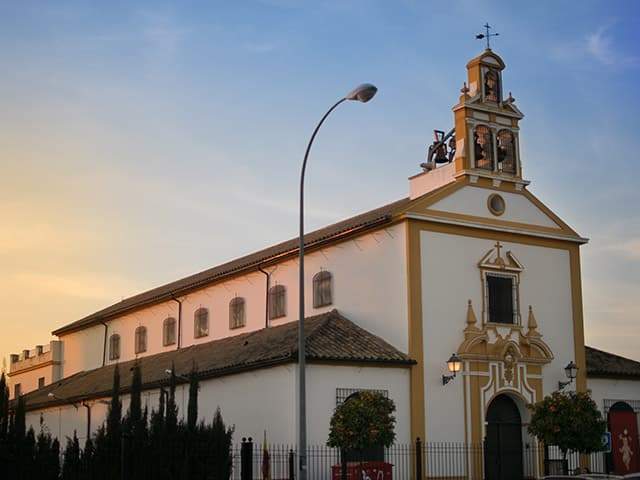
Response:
column 369, row 285
column 450, row 276
column 323, row 380
column 473, row 201
column 611, row 389
column 253, row 402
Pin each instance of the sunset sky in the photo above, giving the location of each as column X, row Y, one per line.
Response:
column 144, row 141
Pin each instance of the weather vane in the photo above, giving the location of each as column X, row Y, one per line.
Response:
column 487, row 35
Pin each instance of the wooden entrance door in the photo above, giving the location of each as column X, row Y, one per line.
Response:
column 503, row 443
column 623, row 425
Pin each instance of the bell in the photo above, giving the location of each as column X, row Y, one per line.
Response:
column 441, row 155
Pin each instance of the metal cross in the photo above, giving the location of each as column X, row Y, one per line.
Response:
column 487, row 35
column 498, row 247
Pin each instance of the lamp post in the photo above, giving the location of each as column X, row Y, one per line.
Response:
column 363, row 93
column 571, row 371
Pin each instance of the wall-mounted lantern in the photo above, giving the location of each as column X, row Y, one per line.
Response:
column 571, row 370
column 454, row 365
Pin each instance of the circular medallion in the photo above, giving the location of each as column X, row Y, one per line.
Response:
column 496, row 204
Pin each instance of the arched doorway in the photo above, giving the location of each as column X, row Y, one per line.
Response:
column 623, row 426
column 503, row 443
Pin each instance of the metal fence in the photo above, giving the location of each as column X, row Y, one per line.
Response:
column 434, row 460
column 254, row 461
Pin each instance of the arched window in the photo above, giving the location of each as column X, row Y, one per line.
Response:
column 236, row 313
column 114, row 347
column 506, row 151
column 322, row 289
column 201, row 323
column 277, row 302
column 483, row 147
column 141, row 340
column 169, row 331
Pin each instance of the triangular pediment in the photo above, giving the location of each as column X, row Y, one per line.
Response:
column 498, row 259
column 465, row 202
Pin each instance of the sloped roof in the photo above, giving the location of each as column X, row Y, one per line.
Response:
column 605, row 364
column 346, row 227
column 330, row 338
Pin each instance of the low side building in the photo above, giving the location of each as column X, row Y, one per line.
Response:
column 251, row 377
column 34, row 369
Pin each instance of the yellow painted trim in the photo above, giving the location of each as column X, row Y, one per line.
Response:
column 495, row 222
column 578, row 323
column 538, row 203
column 416, row 343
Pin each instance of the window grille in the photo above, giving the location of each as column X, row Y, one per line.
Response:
column 41, row 382
column 343, row 393
column 114, row 347
column 608, row 403
column 501, row 298
column 141, row 340
column 236, row 313
column 201, row 323
column 322, row 289
column 169, row 331
column 277, row 301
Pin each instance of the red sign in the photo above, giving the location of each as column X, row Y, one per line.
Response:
column 363, row 471
column 625, row 447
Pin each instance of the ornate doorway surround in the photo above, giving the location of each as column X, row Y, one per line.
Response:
column 500, row 359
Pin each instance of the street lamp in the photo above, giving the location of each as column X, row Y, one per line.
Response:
column 571, row 370
column 362, row 93
column 168, row 371
column 454, row 364
column 53, row 396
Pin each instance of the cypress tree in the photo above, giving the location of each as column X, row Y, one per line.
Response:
column 18, row 423
column 113, row 432
column 221, row 438
column 171, row 417
column 134, row 416
column 4, row 420
column 87, row 460
column 4, row 409
column 71, row 466
column 192, row 408
column 47, row 456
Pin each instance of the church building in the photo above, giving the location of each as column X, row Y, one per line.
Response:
column 462, row 302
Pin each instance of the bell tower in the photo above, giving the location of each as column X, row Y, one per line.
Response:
column 486, row 124
column 484, row 141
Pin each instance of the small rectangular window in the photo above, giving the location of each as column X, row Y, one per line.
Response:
column 17, row 390
column 41, row 382
column 500, row 293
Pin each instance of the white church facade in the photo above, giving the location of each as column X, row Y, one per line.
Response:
column 471, row 263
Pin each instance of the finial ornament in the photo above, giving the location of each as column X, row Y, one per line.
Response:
column 464, row 90
column 487, row 35
column 510, row 99
column 471, row 319
column 532, row 323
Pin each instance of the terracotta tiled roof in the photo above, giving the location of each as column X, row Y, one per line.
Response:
column 330, row 338
column 361, row 222
column 604, row 364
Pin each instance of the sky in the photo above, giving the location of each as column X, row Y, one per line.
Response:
column 144, row 141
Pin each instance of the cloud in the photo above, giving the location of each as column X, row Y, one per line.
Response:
column 598, row 46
